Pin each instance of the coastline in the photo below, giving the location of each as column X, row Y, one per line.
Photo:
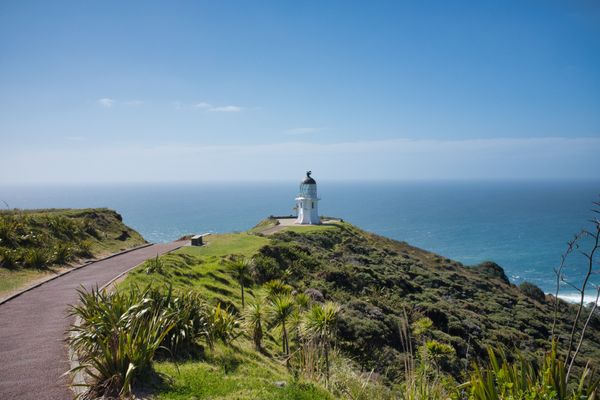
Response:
column 574, row 298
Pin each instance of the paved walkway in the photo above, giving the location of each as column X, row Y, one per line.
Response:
column 285, row 222
column 33, row 353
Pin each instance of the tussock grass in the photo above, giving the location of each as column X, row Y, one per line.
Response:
column 46, row 240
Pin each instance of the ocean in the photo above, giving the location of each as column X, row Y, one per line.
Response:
column 523, row 226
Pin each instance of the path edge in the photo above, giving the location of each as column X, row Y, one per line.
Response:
column 28, row 288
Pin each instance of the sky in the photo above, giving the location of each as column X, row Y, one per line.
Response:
column 155, row 91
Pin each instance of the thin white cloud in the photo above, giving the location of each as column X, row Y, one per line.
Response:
column 106, row 102
column 301, row 131
column 209, row 107
column 226, row 109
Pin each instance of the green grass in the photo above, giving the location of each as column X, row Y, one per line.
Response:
column 233, row 373
column 237, row 372
column 202, row 268
column 264, row 225
column 231, row 243
column 312, row 228
column 11, row 280
column 85, row 232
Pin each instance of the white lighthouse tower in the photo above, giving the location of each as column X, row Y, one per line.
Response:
column 307, row 202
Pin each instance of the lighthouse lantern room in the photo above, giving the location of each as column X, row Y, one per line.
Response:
column 307, row 202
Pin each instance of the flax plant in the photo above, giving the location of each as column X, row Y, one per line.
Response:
column 117, row 338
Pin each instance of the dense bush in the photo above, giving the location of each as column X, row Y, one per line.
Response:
column 531, row 290
column 36, row 258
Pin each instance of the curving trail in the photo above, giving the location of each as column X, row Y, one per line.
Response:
column 33, row 353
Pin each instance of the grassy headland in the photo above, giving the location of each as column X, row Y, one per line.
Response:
column 35, row 244
column 408, row 323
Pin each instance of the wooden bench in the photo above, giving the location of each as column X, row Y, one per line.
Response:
column 197, row 239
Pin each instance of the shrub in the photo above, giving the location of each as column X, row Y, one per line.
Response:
column 441, row 355
column 154, row 265
column 36, row 258
column 62, row 227
column 265, row 268
column 84, row 248
column 190, row 319
column 8, row 258
column 347, row 382
column 62, row 254
column 222, row 325
column 117, row 338
column 491, row 269
column 421, row 326
column 9, row 231
column 276, row 287
column 523, row 379
column 532, row 291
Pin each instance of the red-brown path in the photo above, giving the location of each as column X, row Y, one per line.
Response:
column 33, row 353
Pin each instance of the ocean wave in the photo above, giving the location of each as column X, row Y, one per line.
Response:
column 575, row 298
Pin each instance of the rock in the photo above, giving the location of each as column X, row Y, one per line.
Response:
column 315, row 295
column 280, row 384
column 492, row 269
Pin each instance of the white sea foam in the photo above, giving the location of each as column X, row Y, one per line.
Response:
column 575, row 298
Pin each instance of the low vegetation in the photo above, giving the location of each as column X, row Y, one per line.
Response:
column 34, row 243
column 336, row 312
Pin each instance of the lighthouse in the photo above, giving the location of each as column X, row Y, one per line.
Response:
column 306, row 202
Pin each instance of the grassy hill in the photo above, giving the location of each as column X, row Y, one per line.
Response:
column 35, row 244
column 382, row 285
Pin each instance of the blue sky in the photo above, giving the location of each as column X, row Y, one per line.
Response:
column 155, row 91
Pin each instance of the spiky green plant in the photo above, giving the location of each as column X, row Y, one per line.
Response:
column 437, row 353
column 222, row 325
column 8, row 258
column 62, row 254
column 240, row 269
column 276, row 287
column 320, row 325
column 62, row 227
column 9, row 231
column 190, row 318
column 37, row 257
column 523, row 379
column 84, row 248
column 117, row 337
column 280, row 310
column 154, row 265
column 255, row 318
column 303, row 301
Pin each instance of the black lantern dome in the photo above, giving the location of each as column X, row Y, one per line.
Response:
column 309, row 180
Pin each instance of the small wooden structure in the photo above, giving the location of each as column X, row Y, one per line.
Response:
column 197, row 239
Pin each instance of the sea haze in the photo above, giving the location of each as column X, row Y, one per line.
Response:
column 523, row 226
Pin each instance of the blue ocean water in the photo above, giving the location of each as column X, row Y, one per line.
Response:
column 523, row 226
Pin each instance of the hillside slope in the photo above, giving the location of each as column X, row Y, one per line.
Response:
column 378, row 280
column 38, row 243
column 379, row 283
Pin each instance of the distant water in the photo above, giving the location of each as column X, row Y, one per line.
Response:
column 521, row 226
